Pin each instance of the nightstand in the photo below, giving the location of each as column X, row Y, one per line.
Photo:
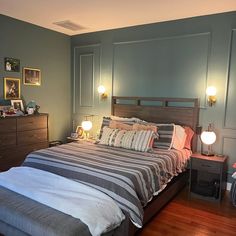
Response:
column 69, row 139
column 208, row 176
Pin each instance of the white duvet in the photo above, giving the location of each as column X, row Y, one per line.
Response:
column 94, row 208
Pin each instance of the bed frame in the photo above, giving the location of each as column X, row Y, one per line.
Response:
column 182, row 111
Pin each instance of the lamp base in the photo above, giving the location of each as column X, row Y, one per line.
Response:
column 208, row 154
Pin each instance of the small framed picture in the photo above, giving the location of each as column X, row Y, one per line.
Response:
column 80, row 132
column 31, row 76
column 18, row 105
column 11, row 88
column 12, row 64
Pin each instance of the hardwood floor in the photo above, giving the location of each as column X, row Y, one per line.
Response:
column 193, row 217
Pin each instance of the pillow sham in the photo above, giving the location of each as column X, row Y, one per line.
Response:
column 119, row 125
column 134, row 140
column 189, row 136
column 179, row 138
column 106, row 121
column 137, row 126
column 166, row 135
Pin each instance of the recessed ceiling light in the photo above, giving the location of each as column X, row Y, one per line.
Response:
column 69, row 25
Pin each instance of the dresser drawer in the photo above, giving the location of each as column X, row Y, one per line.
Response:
column 205, row 165
column 31, row 123
column 9, row 159
column 7, row 140
column 32, row 136
column 7, row 125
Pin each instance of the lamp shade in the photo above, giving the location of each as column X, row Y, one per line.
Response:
column 87, row 125
column 101, row 89
column 208, row 137
column 211, row 91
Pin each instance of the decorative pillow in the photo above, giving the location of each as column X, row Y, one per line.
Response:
column 106, row 121
column 189, row 135
column 166, row 134
column 179, row 138
column 135, row 140
column 142, row 140
column 119, row 125
column 145, row 127
column 108, row 135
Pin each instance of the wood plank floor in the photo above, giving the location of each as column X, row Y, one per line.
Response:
column 193, row 217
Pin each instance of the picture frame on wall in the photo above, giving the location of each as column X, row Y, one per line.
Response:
column 11, row 88
column 18, row 105
column 31, row 76
column 11, row 64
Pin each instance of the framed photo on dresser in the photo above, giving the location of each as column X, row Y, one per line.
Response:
column 17, row 105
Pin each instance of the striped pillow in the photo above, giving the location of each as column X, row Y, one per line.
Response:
column 143, row 140
column 166, row 135
column 106, row 121
column 134, row 140
column 108, row 135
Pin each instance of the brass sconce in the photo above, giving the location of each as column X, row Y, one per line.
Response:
column 102, row 92
column 211, row 95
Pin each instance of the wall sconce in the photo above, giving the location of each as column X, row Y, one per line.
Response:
column 102, row 91
column 86, row 125
column 211, row 93
column 208, row 137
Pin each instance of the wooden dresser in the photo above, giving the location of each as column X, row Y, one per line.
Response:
column 19, row 136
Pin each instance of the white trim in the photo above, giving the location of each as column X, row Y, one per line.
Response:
column 228, row 186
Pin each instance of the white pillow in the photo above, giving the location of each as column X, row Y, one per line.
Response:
column 234, row 175
column 179, row 137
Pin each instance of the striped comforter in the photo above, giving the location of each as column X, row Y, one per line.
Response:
column 131, row 178
column 233, row 193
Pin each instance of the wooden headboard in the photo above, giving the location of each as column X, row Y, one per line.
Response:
column 182, row 111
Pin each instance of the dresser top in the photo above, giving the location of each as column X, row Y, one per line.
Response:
column 24, row 116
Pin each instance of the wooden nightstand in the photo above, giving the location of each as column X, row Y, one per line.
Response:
column 69, row 139
column 208, row 176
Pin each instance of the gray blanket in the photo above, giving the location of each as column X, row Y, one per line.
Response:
column 129, row 177
column 28, row 216
column 21, row 216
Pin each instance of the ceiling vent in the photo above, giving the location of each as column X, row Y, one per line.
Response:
column 69, row 25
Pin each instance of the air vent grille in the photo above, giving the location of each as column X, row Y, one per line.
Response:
column 69, row 25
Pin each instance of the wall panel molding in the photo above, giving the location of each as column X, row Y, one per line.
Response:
column 229, row 121
column 86, row 76
column 86, row 80
column 161, row 38
column 228, row 148
column 151, row 44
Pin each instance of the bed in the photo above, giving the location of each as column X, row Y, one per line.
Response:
column 162, row 110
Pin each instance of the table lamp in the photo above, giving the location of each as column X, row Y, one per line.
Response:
column 87, row 125
column 208, row 137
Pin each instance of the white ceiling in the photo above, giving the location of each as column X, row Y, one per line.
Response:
column 96, row 15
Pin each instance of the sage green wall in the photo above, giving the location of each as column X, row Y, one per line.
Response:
column 49, row 51
column 173, row 59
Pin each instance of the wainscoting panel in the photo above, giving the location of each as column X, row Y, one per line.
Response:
column 86, row 78
column 230, row 111
column 228, row 148
column 162, row 66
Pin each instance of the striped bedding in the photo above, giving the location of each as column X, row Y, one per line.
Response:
column 233, row 193
column 131, row 178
